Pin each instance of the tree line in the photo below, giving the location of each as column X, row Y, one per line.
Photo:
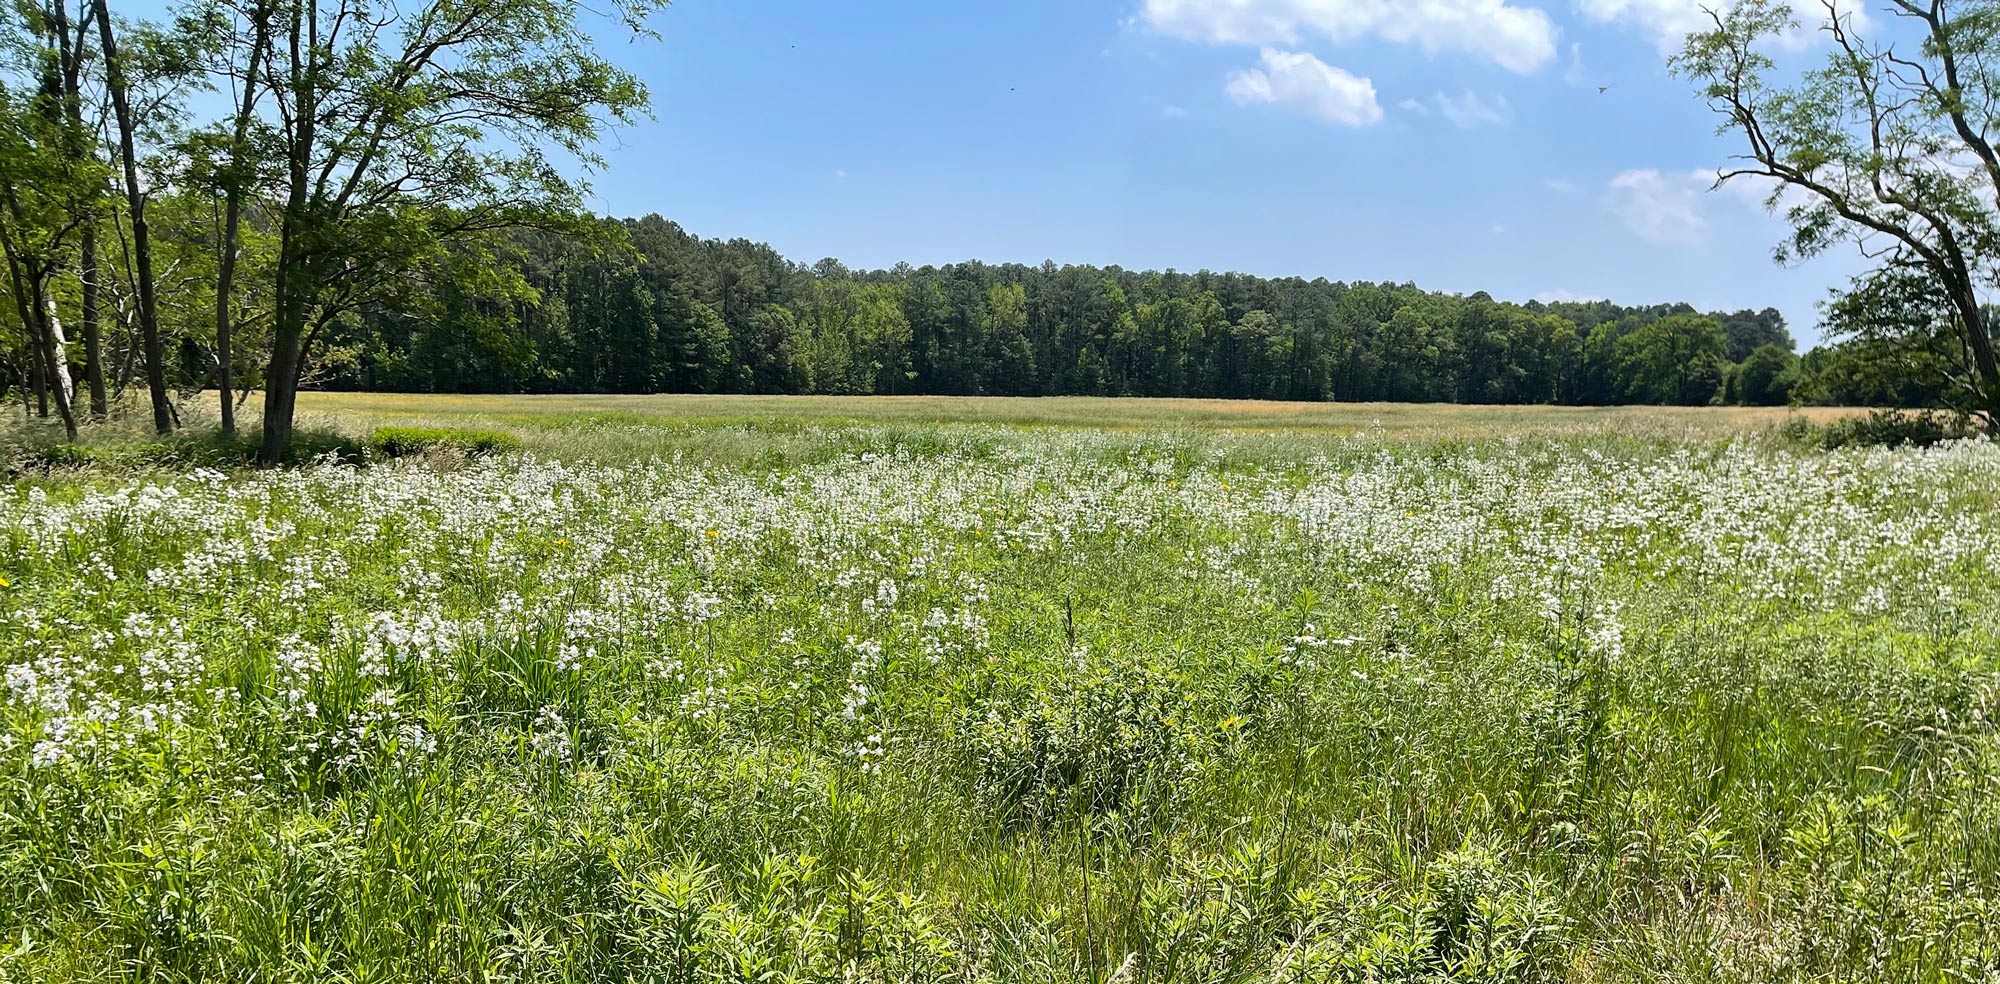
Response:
column 642, row 306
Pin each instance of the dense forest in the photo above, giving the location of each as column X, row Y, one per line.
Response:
column 642, row 306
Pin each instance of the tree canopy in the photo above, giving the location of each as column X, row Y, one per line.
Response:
column 1888, row 145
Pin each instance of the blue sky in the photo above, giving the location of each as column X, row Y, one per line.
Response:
column 1458, row 144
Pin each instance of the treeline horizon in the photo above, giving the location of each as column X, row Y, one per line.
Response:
column 643, row 306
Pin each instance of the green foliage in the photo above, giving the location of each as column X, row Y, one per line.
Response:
column 184, row 449
column 1895, row 428
column 1675, row 360
column 1766, row 378
column 1887, row 144
column 398, row 442
column 641, row 306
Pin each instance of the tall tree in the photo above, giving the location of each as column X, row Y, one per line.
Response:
column 400, row 129
column 1675, row 360
column 232, row 168
column 48, row 188
column 1888, row 145
column 72, row 42
column 119, row 86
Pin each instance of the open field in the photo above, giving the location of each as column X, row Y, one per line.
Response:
column 1209, row 693
column 1391, row 420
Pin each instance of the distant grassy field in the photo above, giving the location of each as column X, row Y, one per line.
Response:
column 1389, row 420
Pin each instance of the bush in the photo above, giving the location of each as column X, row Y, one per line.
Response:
column 399, row 442
column 1896, row 428
column 309, row 446
column 176, row 451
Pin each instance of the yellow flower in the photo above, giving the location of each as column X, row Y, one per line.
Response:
column 3, row 582
column 711, row 533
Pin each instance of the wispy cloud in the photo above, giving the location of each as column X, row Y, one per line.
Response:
column 1470, row 110
column 1670, row 21
column 1674, row 208
column 1564, row 296
column 1660, row 208
column 1517, row 38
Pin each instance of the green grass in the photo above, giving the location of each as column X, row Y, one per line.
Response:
column 738, row 690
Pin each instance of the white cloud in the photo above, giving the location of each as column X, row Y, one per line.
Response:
column 1576, row 74
column 1521, row 39
column 1414, row 106
column 1563, row 296
column 1673, row 208
column 1561, row 186
column 1173, row 112
column 1671, row 21
column 1660, row 208
column 1470, row 110
column 1305, row 83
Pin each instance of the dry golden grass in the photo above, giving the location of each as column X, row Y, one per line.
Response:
column 363, row 411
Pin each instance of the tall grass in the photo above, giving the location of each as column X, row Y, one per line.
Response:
column 906, row 702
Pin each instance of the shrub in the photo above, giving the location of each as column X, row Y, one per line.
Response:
column 398, row 442
column 1896, row 428
column 177, row 451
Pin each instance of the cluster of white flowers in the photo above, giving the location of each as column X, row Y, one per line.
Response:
column 549, row 737
column 130, row 604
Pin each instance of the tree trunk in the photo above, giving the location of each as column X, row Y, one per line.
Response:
column 82, row 146
column 296, row 284
column 288, row 337
column 37, row 381
column 1985, row 361
column 58, row 351
column 232, row 219
column 93, row 330
column 52, row 362
column 142, row 244
column 281, row 380
column 225, row 367
column 36, row 307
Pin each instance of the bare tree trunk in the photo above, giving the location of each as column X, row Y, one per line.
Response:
column 281, row 380
column 225, row 366
column 52, row 363
column 1985, row 362
column 32, row 301
column 36, row 381
column 142, row 243
column 59, row 352
column 93, row 332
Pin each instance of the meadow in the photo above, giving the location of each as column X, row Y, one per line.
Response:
column 729, row 689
